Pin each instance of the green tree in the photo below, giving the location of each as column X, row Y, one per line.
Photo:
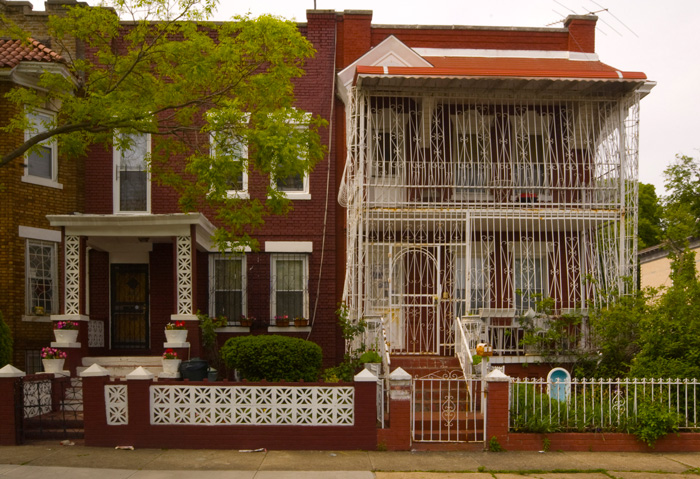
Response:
column 669, row 336
column 167, row 72
column 650, row 211
column 682, row 202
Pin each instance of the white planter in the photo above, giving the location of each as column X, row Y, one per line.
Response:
column 53, row 365
column 66, row 335
column 171, row 366
column 175, row 335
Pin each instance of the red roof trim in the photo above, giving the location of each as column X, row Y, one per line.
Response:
column 12, row 52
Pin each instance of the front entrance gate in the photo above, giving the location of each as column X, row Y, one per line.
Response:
column 447, row 408
column 130, row 306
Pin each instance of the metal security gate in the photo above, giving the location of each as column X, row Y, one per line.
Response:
column 49, row 408
column 415, row 289
column 447, row 408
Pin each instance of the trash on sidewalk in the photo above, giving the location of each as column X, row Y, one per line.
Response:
column 128, row 448
column 67, row 442
column 262, row 449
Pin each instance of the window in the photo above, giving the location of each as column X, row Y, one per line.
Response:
column 132, row 189
column 41, row 163
column 41, row 278
column 295, row 186
column 478, row 282
column 231, row 147
column 388, row 135
column 530, row 274
column 472, row 164
column 290, row 277
column 531, row 156
column 228, row 286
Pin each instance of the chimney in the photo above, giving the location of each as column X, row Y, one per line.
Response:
column 581, row 32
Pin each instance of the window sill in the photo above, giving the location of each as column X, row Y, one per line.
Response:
column 36, row 180
column 288, row 329
column 233, row 329
column 241, row 195
column 297, row 196
column 29, row 318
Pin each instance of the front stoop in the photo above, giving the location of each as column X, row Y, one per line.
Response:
column 120, row 366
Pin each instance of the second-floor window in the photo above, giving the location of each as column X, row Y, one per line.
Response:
column 42, row 162
column 132, row 185
column 231, row 151
column 387, row 139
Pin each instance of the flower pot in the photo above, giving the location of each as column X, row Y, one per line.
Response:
column 246, row 323
column 66, row 335
column 175, row 335
column 53, row 365
column 300, row 323
column 282, row 323
column 171, row 366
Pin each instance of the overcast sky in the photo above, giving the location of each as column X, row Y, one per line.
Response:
column 656, row 37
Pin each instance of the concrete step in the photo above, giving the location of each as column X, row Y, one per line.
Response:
column 120, row 366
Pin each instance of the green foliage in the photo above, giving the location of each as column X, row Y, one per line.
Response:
column 683, row 186
column 615, row 329
column 351, row 363
column 208, row 327
column 546, row 444
column 154, row 75
column 654, row 421
column 650, row 211
column 370, row 356
column 273, row 358
column 495, row 446
column 5, row 343
column 670, row 333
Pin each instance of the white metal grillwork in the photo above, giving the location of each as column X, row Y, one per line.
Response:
column 237, row 405
column 592, row 405
column 484, row 205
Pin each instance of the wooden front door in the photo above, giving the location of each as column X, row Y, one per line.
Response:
column 130, row 306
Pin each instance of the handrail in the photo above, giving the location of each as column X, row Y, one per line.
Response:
column 462, row 349
column 386, row 358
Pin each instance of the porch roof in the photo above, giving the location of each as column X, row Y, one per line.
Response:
column 138, row 226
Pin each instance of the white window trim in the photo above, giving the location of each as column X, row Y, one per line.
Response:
column 273, row 271
column 116, row 160
column 54, row 275
column 212, row 282
column 51, row 143
column 289, row 246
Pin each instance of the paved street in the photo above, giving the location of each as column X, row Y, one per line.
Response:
column 75, row 462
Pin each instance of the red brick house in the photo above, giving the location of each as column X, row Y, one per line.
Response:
column 477, row 171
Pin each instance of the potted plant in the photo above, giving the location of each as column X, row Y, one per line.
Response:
column 300, row 322
column 246, row 321
column 282, row 321
column 372, row 361
column 66, row 331
column 53, row 359
column 175, row 332
column 171, row 364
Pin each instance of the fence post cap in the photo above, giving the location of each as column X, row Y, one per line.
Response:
column 141, row 374
column 9, row 371
column 94, row 371
column 497, row 376
column 399, row 374
column 365, row 376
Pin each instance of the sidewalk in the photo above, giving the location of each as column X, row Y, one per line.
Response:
column 63, row 462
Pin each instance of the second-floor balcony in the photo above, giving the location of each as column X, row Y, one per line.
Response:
column 452, row 152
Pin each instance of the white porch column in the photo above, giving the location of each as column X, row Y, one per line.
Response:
column 185, row 278
column 71, row 300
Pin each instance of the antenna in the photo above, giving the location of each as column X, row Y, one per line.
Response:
column 601, row 9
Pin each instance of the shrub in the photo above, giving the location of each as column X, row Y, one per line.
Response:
column 370, row 356
column 273, row 358
column 654, row 421
column 5, row 343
